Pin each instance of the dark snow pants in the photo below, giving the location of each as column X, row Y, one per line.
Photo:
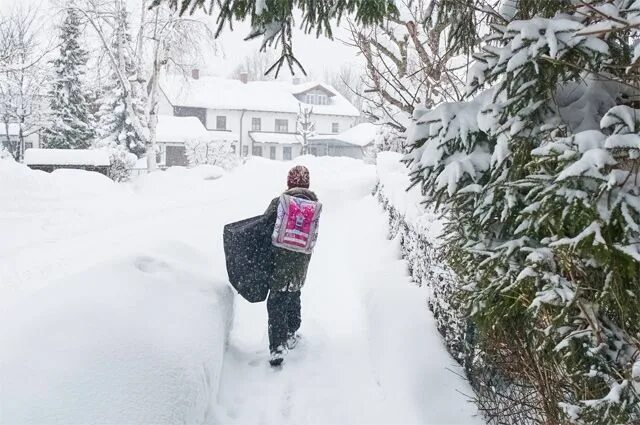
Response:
column 284, row 316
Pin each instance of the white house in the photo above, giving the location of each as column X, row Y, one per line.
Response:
column 262, row 113
column 172, row 134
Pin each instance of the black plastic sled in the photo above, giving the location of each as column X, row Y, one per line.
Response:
column 247, row 248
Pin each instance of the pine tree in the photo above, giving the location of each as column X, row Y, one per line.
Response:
column 537, row 172
column 72, row 121
column 116, row 125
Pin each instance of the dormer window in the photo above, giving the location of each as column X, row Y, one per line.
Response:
column 316, row 99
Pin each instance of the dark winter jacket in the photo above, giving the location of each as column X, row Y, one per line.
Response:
column 289, row 268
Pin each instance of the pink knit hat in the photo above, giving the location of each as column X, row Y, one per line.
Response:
column 298, row 177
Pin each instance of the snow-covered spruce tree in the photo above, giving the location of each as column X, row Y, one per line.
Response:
column 72, row 124
column 538, row 173
column 116, row 129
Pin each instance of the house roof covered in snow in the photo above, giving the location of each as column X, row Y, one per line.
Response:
column 92, row 157
column 272, row 96
column 276, row 138
column 183, row 129
column 359, row 135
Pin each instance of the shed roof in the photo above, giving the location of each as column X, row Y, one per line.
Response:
column 360, row 135
column 183, row 129
column 87, row 157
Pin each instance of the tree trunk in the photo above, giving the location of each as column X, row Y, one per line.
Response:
column 153, row 101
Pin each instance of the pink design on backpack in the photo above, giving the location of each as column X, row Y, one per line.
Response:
column 296, row 226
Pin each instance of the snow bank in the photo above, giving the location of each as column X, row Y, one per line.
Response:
column 175, row 180
column 19, row 182
column 136, row 340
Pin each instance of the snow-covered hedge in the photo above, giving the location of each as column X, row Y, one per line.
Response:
column 537, row 169
column 138, row 340
column 418, row 231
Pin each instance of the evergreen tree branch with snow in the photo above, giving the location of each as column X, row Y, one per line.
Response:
column 537, row 171
column 273, row 20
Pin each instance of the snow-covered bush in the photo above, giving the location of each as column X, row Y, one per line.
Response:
column 5, row 154
column 389, row 139
column 537, row 172
column 218, row 153
column 122, row 162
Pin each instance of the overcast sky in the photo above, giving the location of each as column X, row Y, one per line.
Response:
column 316, row 54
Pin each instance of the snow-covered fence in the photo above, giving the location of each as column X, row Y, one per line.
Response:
column 498, row 396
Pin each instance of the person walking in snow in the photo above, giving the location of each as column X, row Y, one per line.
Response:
column 294, row 216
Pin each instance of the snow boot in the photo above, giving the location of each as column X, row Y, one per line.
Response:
column 277, row 356
column 293, row 340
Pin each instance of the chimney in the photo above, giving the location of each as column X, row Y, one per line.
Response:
column 244, row 77
column 195, row 73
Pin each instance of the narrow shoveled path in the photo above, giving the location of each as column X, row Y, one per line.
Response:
column 370, row 352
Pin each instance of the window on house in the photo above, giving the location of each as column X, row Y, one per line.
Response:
column 245, row 150
column 221, row 122
column 313, row 151
column 28, row 145
column 316, row 99
column 282, row 126
column 234, row 148
column 256, row 151
column 256, row 124
column 335, row 127
column 286, row 153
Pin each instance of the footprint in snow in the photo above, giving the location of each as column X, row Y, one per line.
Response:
column 150, row 265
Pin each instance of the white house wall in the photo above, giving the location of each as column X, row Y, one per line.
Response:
column 323, row 123
column 164, row 106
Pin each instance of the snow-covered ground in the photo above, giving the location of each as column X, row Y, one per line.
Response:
column 114, row 306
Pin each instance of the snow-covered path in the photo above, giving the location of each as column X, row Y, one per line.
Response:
column 370, row 354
